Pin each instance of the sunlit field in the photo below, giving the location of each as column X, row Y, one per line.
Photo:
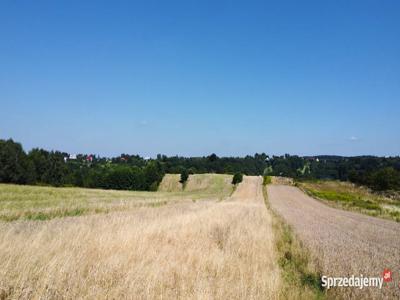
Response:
column 42, row 203
column 195, row 246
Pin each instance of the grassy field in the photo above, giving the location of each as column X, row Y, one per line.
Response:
column 351, row 197
column 189, row 249
column 42, row 203
column 212, row 184
column 163, row 244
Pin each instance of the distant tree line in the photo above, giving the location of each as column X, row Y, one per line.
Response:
column 54, row 168
column 250, row 165
column 378, row 173
column 132, row 172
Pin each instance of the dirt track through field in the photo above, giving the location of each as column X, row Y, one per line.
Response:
column 250, row 191
column 345, row 243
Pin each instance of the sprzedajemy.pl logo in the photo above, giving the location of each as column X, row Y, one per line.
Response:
column 357, row 281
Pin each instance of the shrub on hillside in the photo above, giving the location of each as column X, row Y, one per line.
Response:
column 237, row 178
column 184, row 176
column 385, row 179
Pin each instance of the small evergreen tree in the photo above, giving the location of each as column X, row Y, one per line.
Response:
column 237, row 178
column 184, row 176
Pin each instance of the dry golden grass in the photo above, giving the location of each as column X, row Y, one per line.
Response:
column 215, row 184
column 281, row 180
column 207, row 249
column 43, row 203
column 170, row 183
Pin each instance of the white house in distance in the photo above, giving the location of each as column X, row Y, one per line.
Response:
column 70, row 157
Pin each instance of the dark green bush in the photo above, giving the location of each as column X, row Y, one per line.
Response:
column 184, row 176
column 237, row 178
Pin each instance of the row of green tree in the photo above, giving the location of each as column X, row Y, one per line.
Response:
column 133, row 172
column 378, row 173
column 54, row 168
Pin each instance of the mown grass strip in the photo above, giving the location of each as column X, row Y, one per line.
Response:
column 267, row 180
column 48, row 215
column 74, row 212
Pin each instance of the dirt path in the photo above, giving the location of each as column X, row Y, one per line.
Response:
column 250, row 190
column 345, row 243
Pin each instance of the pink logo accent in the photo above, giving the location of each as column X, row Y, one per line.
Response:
column 387, row 275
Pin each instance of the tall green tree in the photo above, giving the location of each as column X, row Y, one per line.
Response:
column 14, row 164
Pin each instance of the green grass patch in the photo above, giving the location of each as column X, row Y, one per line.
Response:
column 395, row 214
column 348, row 199
column 294, row 260
column 158, row 204
column 351, row 197
column 267, row 180
column 39, row 203
column 42, row 216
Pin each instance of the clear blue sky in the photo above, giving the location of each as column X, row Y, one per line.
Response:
column 196, row 77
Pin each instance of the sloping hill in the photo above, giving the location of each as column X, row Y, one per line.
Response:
column 205, row 183
column 170, row 183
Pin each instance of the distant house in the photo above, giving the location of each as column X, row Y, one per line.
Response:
column 70, row 157
column 89, row 158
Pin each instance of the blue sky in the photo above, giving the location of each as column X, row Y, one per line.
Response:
column 196, row 77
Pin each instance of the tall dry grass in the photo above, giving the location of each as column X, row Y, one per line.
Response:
column 220, row 250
